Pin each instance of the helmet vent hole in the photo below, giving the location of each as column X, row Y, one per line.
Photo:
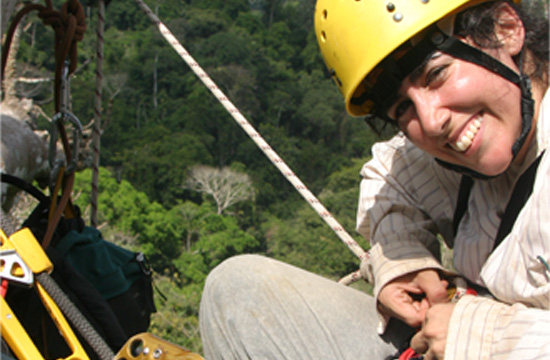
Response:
column 323, row 36
column 325, row 14
column 390, row 7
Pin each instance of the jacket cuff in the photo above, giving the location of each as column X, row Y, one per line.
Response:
column 471, row 328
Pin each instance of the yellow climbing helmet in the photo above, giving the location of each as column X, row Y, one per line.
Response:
column 356, row 35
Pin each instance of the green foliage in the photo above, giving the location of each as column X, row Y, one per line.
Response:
column 304, row 241
column 230, row 7
column 276, row 41
column 200, row 23
column 222, row 238
column 167, row 159
column 224, row 48
column 126, row 15
column 176, row 319
column 160, row 120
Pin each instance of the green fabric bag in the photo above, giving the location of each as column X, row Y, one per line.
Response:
column 110, row 268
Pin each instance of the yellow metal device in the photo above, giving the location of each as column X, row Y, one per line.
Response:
column 21, row 257
column 146, row 346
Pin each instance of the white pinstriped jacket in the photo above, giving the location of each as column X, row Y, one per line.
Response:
column 406, row 199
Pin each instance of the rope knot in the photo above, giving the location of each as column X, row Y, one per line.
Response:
column 69, row 25
column 72, row 11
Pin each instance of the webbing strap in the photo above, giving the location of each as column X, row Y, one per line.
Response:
column 520, row 194
column 522, row 191
column 464, row 191
column 461, row 50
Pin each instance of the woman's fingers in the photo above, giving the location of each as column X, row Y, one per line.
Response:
column 410, row 296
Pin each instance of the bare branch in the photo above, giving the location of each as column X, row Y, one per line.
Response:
column 27, row 80
column 226, row 186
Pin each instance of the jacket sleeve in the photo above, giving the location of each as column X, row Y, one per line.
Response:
column 482, row 328
column 402, row 209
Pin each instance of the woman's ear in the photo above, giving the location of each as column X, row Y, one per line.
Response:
column 509, row 29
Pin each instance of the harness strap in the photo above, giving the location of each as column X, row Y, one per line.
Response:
column 520, row 194
column 522, row 191
column 466, row 184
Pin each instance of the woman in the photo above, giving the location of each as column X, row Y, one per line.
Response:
column 465, row 82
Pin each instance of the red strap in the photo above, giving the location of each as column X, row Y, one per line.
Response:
column 408, row 354
column 471, row 291
column 4, row 288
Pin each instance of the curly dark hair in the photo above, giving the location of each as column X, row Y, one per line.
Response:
column 478, row 23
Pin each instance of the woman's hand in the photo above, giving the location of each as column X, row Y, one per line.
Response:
column 431, row 339
column 409, row 297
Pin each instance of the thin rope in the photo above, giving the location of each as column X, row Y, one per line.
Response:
column 75, row 316
column 258, row 139
column 96, row 130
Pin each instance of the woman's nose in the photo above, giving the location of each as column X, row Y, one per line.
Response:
column 433, row 116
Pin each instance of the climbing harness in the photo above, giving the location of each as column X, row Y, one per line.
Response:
column 365, row 271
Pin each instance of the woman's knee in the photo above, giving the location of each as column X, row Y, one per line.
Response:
column 234, row 275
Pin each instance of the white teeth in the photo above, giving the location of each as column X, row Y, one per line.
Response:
column 477, row 122
column 466, row 140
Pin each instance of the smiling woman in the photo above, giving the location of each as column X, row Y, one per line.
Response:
column 465, row 82
column 472, row 104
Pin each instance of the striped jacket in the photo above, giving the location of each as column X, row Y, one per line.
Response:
column 407, row 200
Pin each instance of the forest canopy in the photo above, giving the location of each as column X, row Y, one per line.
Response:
column 160, row 124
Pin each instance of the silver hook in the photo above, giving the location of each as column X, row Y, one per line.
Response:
column 65, row 114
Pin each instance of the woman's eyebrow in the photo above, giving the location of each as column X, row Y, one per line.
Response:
column 416, row 73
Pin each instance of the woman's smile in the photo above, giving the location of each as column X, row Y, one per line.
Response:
column 466, row 138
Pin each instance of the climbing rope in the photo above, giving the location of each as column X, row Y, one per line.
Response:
column 76, row 318
column 96, row 130
column 365, row 271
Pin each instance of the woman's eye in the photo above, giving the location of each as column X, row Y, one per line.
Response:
column 434, row 74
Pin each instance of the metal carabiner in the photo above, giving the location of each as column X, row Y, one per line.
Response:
column 77, row 134
column 65, row 114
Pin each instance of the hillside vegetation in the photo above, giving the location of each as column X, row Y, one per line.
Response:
column 161, row 125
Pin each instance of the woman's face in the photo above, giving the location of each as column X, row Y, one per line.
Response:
column 461, row 113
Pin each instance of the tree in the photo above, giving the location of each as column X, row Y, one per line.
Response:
column 192, row 217
column 226, row 186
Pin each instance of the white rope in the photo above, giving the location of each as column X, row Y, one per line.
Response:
column 260, row 142
column 96, row 130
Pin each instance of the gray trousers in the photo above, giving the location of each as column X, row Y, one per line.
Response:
column 254, row 307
